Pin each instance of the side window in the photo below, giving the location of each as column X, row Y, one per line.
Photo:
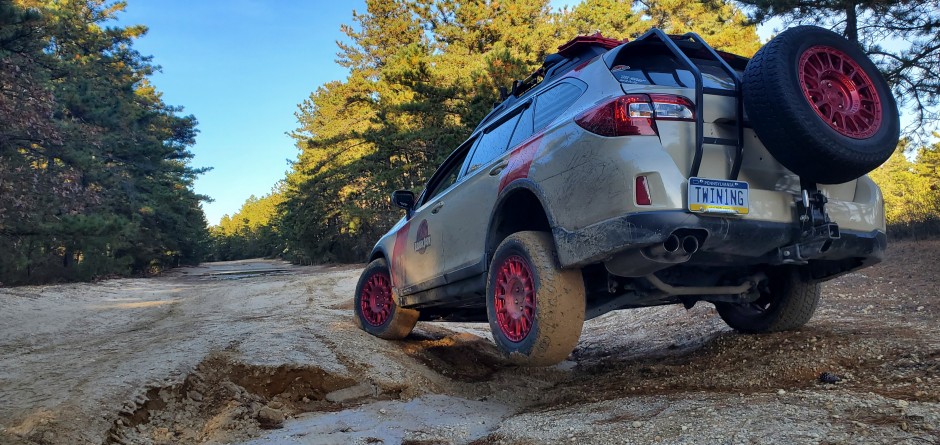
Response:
column 523, row 128
column 550, row 104
column 493, row 143
column 448, row 173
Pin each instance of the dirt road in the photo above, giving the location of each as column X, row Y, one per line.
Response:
column 264, row 352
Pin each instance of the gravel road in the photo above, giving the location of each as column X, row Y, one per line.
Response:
column 259, row 351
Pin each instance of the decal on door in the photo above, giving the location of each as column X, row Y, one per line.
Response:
column 519, row 162
column 423, row 238
column 398, row 269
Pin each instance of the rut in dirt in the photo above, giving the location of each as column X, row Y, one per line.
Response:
column 224, row 400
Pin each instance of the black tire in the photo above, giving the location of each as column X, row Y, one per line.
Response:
column 786, row 302
column 556, row 314
column 793, row 129
column 397, row 322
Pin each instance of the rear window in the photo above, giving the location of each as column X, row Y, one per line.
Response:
column 554, row 101
column 664, row 70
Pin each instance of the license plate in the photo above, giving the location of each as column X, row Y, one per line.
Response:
column 718, row 196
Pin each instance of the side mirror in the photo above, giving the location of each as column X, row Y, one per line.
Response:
column 404, row 199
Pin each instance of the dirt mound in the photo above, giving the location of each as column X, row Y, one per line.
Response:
column 223, row 400
column 734, row 363
column 456, row 355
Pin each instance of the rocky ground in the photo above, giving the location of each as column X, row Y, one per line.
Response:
column 264, row 352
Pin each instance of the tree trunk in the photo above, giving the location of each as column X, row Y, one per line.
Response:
column 68, row 258
column 851, row 21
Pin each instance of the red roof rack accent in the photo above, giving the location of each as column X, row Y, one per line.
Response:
column 573, row 45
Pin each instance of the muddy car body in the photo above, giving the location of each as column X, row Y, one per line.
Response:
column 645, row 173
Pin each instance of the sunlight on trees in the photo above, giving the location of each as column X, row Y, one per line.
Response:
column 94, row 166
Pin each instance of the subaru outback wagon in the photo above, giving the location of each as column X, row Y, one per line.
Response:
column 632, row 174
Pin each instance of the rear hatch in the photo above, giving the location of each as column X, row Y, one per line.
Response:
column 730, row 154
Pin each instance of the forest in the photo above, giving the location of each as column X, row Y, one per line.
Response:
column 424, row 72
column 94, row 172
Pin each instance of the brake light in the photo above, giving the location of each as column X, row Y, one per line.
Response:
column 635, row 114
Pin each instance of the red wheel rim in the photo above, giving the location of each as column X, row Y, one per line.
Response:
column 376, row 299
column 514, row 298
column 840, row 92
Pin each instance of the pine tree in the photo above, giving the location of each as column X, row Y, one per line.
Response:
column 93, row 165
column 901, row 37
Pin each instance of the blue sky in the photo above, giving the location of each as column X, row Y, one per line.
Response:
column 241, row 67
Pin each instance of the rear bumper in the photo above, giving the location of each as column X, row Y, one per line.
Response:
column 728, row 241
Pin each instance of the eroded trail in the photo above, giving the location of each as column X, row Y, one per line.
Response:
column 261, row 351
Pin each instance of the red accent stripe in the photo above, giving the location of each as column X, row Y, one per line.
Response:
column 397, row 270
column 520, row 160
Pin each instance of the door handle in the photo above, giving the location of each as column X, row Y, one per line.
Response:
column 437, row 207
column 495, row 170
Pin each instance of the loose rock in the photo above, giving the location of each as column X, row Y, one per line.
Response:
column 270, row 418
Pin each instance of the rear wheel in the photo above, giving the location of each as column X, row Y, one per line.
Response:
column 376, row 311
column 535, row 309
column 786, row 302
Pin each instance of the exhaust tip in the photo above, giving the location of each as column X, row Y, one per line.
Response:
column 671, row 244
column 690, row 244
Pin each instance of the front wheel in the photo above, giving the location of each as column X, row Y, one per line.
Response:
column 535, row 308
column 376, row 311
column 786, row 302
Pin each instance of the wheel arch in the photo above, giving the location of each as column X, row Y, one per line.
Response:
column 520, row 206
column 378, row 252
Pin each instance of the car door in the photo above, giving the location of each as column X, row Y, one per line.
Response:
column 469, row 206
column 420, row 255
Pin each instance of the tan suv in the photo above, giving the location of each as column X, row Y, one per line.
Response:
column 632, row 174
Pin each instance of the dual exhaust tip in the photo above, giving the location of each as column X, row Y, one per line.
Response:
column 674, row 248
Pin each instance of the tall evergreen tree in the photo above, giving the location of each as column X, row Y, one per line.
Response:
column 94, row 167
column 901, row 36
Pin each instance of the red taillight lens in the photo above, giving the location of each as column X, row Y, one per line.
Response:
column 635, row 114
column 623, row 116
column 642, row 192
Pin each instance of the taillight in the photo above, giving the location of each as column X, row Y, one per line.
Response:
column 670, row 107
column 635, row 114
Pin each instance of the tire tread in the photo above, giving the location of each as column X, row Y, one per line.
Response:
column 560, row 303
column 403, row 320
column 792, row 131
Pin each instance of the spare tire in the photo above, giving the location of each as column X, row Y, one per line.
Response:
column 820, row 106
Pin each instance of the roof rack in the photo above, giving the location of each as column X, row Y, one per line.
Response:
column 569, row 55
column 573, row 46
column 556, row 63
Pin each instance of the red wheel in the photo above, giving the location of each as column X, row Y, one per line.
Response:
column 535, row 308
column 840, row 91
column 375, row 307
column 375, row 302
column 820, row 106
column 515, row 298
